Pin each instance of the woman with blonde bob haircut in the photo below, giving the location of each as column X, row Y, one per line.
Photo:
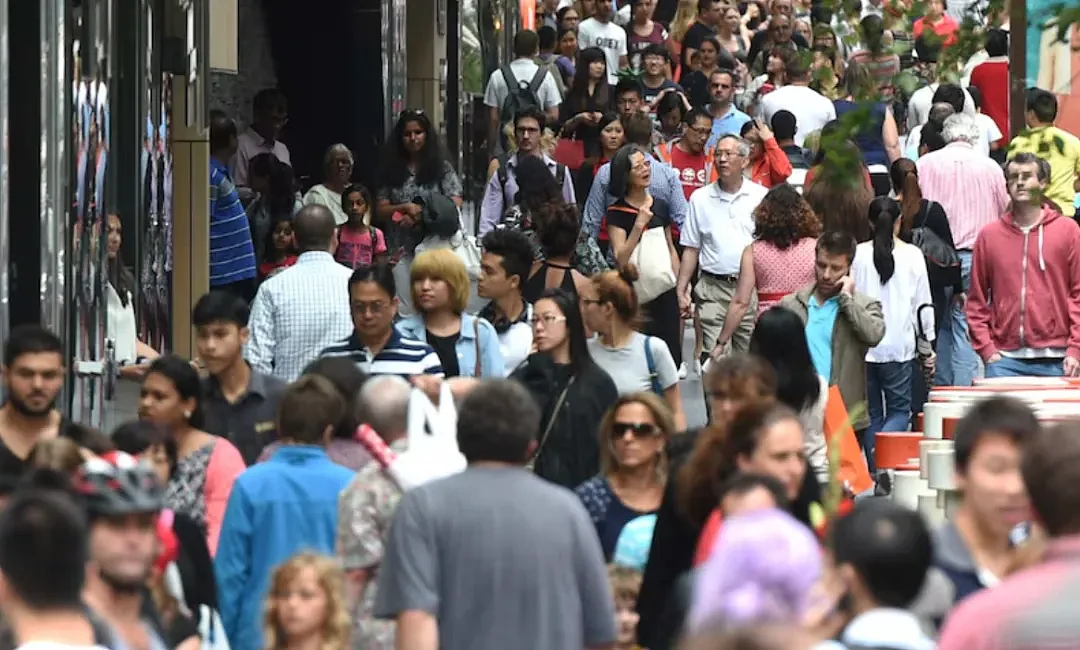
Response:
column 633, row 465
column 305, row 606
column 467, row 346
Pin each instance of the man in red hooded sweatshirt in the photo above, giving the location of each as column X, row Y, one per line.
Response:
column 1024, row 306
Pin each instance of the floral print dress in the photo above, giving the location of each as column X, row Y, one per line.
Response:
column 186, row 491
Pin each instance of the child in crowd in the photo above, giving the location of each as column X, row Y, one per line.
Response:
column 280, row 248
column 625, row 585
column 306, row 605
column 359, row 243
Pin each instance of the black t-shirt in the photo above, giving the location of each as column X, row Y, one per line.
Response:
column 622, row 215
column 697, row 33
column 12, row 467
column 651, row 93
column 446, row 348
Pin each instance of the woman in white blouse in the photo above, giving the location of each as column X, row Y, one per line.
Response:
column 337, row 170
column 132, row 354
column 894, row 273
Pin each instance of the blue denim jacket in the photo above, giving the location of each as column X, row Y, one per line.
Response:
column 491, row 355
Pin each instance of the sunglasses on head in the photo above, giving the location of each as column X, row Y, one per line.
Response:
column 637, row 429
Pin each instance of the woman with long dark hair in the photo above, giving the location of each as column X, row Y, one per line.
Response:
column 779, row 338
column 273, row 181
column 838, row 188
column 587, row 100
column 894, row 273
column 412, row 166
column 572, row 391
column 120, row 293
column 918, row 212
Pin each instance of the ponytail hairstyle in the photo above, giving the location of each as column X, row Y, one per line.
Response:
column 883, row 214
column 904, row 176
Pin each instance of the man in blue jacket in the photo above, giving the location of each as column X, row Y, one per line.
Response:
column 280, row 507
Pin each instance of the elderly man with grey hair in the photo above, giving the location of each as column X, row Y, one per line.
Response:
column 719, row 225
column 366, row 507
column 971, row 188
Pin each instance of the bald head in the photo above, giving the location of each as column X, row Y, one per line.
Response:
column 314, row 228
column 384, row 404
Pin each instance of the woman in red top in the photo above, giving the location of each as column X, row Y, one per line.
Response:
column 769, row 165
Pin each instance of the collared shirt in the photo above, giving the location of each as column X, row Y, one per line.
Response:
column 250, row 144
column 232, row 253
column 720, row 225
column 297, row 313
column 820, row 321
column 730, row 123
column 969, row 186
column 402, row 356
column 664, row 184
column 498, row 196
column 365, row 509
column 250, row 423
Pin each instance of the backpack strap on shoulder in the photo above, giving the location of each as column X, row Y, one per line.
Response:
column 502, row 171
column 560, row 174
column 508, row 77
column 538, row 78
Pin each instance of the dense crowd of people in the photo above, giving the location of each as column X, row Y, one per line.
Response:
column 394, row 435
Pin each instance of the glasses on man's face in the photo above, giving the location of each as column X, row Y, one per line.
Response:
column 547, row 320
column 374, row 308
column 724, row 153
column 700, row 130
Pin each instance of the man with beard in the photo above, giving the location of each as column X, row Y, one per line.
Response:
column 123, row 498
column 33, row 375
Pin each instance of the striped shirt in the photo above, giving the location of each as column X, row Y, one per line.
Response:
column 232, row 254
column 968, row 185
column 401, row 356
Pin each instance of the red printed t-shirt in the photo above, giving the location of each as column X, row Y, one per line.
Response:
column 356, row 248
column 694, row 171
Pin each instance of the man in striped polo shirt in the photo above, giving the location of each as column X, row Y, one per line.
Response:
column 376, row 346
column 232, row 254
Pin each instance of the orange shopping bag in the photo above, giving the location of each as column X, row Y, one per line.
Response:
column 849, row 465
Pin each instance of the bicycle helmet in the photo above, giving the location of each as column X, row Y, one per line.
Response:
column 116, row 483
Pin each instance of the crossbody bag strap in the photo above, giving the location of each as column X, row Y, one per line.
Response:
column 551, row 421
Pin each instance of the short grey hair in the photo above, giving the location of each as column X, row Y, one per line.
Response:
column 384, row 404
column 961, row 128
column 335, row 150
column 744, row 145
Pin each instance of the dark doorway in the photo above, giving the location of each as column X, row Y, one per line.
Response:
column 328, row 59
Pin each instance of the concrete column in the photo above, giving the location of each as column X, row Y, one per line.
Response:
column 191, row 219
column 426, row 61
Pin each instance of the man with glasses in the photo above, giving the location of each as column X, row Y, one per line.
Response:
column 727, row 120
column 719, row 225
column 502, row 187
column 375, row 345
column 780, row 31
column 689, row 155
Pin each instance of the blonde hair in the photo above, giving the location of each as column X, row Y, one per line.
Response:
column 59, row 454
column 625, row 582
column 684, row 17
column 336, row 626
column 661, row 415
column 442, row 264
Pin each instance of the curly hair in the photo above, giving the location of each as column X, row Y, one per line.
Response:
column 784, row 217
column 331, row 579
column 741, row 377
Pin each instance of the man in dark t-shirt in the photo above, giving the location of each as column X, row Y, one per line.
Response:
column 709, row 14
column 33, row 376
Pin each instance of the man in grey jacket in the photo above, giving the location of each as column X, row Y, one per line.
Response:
column 841, row 323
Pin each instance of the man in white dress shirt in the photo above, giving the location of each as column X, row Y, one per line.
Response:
column 719, row 225
column 305, row 308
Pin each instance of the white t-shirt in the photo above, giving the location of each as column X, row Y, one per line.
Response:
column 628, row 366
column 812, row 110
column 609, row 37
column 988, row 132
column 524, row 70
column 921, row 101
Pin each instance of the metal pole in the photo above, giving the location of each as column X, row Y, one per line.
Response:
column 55, row 79
column 1018, row 82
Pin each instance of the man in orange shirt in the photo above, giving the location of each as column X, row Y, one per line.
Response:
column 689, row 155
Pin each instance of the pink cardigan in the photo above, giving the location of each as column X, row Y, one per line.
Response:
column 225, row 465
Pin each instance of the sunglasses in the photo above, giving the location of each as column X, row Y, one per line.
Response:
column 637, row 429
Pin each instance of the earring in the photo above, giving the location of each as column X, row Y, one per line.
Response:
column 187, row 415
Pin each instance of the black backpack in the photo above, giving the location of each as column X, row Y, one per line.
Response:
column 503, row 174
column 520, row 95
